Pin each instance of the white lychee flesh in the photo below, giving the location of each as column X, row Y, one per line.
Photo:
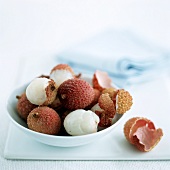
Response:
column 81, row 122
column 59, row 76
column 35, row 91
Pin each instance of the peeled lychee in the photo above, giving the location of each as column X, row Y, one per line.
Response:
column 81, row 122
column 41, row 91
column 142, row 133
column 75, row 94
column 61, row 73
column 44, row 120
column 24, row 106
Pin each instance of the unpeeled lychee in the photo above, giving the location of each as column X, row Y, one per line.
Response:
column 142, row 133
column 95, row 100
column 75, row 94
column 96, row 97
column 61, row 73
column 44, row 120
column 24, row 106
column 41, row 91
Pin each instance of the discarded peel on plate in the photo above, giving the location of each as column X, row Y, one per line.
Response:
column 142, row 133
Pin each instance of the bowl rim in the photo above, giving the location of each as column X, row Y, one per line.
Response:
column 8, row 106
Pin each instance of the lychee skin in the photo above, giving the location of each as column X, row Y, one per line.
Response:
column 75, row 94
column 24, row 106
column 141, row 132
column 131, row 126
column 124, row 101
column 95, row 100
column 101, row 80
column 44, row 120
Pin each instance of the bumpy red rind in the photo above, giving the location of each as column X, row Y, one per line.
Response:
column 44, row 120
column 75, row 94
column 63, row 67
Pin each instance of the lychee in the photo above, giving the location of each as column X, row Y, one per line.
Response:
column 95, row 100
column 41, row 91
column 75, row 94
column 81, row 122
column 61, row 73
column 44, row 120
column 96, row 96
column 24, row 106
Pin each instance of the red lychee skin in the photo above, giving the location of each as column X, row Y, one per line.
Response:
column 44, row 120
column 131, row 127
column 63, row 67
column 101, row 80
column 24, row 106
column 75, row 94
column 95, row 100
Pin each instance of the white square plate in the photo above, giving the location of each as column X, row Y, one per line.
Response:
column 149, row 102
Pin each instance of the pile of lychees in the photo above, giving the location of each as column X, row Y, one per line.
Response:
column 63, row 103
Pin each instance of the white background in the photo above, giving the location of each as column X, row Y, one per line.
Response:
column 50, row 26
column 27, row 25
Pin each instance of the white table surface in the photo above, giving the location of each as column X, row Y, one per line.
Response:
column 30, row 26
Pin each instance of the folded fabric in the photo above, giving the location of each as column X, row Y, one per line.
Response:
column 126, row 57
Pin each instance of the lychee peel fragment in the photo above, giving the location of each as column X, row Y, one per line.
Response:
column 101, row 80
column 142, row 133
column 124, row 101
column 107, row 111
column 146, row 139
column 106, row 103
column 112, row 92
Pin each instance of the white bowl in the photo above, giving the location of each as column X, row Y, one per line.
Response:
column 62, row 141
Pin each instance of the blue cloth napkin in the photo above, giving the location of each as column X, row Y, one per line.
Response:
column 126, row 57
